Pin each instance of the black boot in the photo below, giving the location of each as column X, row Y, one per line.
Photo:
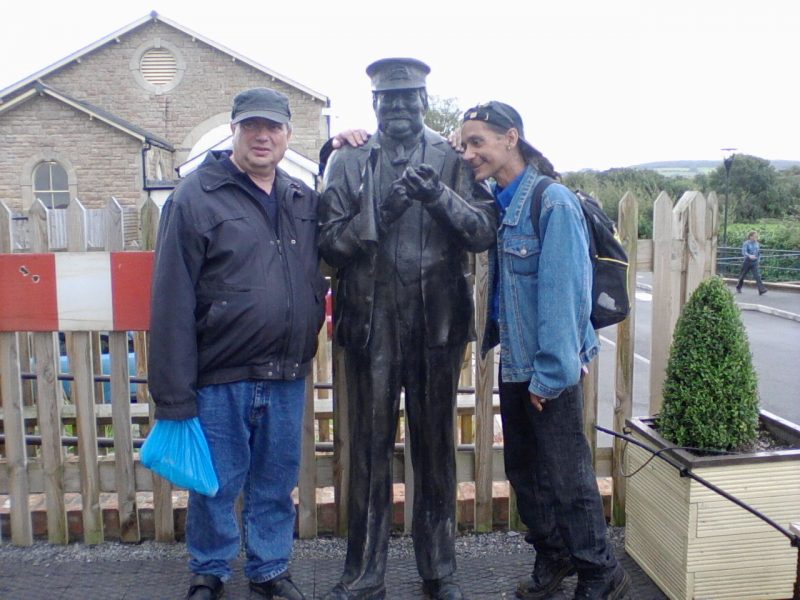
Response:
column 445, row 588
column 205, row 587
column 342, row 592
column 612, row 584
column 548, row 573
column 278, row 588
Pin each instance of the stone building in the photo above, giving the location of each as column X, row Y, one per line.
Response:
column 119, row 117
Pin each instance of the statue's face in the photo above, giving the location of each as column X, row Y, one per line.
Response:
column 400, row 113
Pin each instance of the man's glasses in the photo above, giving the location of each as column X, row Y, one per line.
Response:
column 254, row 125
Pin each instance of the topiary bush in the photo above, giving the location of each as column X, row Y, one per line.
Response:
column 711, row 388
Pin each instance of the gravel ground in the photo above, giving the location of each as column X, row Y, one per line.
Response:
column 468, row 545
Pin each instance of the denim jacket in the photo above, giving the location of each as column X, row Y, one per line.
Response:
column 751, row 248
column 544, row 291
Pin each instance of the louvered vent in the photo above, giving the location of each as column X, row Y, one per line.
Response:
column 158, row 66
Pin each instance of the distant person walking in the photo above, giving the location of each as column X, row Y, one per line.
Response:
column 751, row 250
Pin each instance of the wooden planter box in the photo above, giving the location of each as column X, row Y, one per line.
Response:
column 697, row 545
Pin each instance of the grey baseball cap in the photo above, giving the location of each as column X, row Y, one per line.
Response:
column 261, row 102
column 503, row 115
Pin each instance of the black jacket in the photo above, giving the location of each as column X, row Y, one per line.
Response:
column 461, row 220
column 231, row 300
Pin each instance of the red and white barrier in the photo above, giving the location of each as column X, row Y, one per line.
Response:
column 75, row 291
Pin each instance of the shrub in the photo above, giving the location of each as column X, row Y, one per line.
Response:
column 711, row 388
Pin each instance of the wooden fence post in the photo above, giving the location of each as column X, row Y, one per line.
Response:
column 712, row 224
column 6, row 228
column 121, row 399
column 341, row 439
column 79, row 349
column 164, row 525
column 484, row 411
column 49, row 401
column 408, row 475
column 628, row 224
column 663, row 298
column 590, row 392
column 691, row 214
column 307, row 486
column 13, row 419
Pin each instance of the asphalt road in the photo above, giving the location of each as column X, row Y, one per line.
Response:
column 774, row 343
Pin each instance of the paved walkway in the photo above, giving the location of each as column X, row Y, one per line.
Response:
column 781, row 300
column 491, row 576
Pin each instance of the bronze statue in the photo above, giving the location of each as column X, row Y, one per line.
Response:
column 398, row 216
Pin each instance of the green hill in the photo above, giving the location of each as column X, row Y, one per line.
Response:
column 690, row 168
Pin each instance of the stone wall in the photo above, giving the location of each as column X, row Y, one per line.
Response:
column 103, row 161
column 207, row 86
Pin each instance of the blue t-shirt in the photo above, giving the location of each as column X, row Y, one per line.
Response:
column 504, row 195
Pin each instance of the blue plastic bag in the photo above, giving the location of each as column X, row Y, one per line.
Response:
column 178, row 451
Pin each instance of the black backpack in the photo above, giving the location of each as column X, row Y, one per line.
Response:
column 610, row 301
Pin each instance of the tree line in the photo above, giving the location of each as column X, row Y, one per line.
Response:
column 758, row 195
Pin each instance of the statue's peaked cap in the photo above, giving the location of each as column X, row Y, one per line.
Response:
column 397, row 74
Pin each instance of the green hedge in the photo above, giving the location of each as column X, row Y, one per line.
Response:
column 783, row 235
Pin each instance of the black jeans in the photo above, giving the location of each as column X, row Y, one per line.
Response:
column 549, row 464
column 747, row 266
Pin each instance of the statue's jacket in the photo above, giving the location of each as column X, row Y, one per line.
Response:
column 460, row 220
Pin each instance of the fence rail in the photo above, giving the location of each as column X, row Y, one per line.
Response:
column 38, row 416
column 776, row 265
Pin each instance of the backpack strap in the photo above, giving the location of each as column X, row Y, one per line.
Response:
column 536, row 203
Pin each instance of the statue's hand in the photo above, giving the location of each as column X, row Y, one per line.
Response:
column 395, row 204
column 350, row 137
column 422, row 183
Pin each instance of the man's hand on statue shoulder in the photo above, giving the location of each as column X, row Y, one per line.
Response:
column 422, row 183
column 350, row 137
column 455, row 140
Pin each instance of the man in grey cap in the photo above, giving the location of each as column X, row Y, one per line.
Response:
column 238, row 301
column 398, row 217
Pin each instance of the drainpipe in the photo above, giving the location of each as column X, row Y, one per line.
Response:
column 145, row 148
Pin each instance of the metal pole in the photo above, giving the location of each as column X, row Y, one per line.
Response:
column 725, row 212
column 727, row 163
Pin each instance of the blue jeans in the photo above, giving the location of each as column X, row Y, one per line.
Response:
column 549, row 464
column 750, row 266
column 253, row 429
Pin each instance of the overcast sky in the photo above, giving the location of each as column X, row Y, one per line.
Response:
column 600, row 84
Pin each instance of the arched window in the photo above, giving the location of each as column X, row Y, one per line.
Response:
column 50, row 184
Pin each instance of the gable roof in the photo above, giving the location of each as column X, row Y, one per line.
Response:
column 90, row 109
column 138, row 23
